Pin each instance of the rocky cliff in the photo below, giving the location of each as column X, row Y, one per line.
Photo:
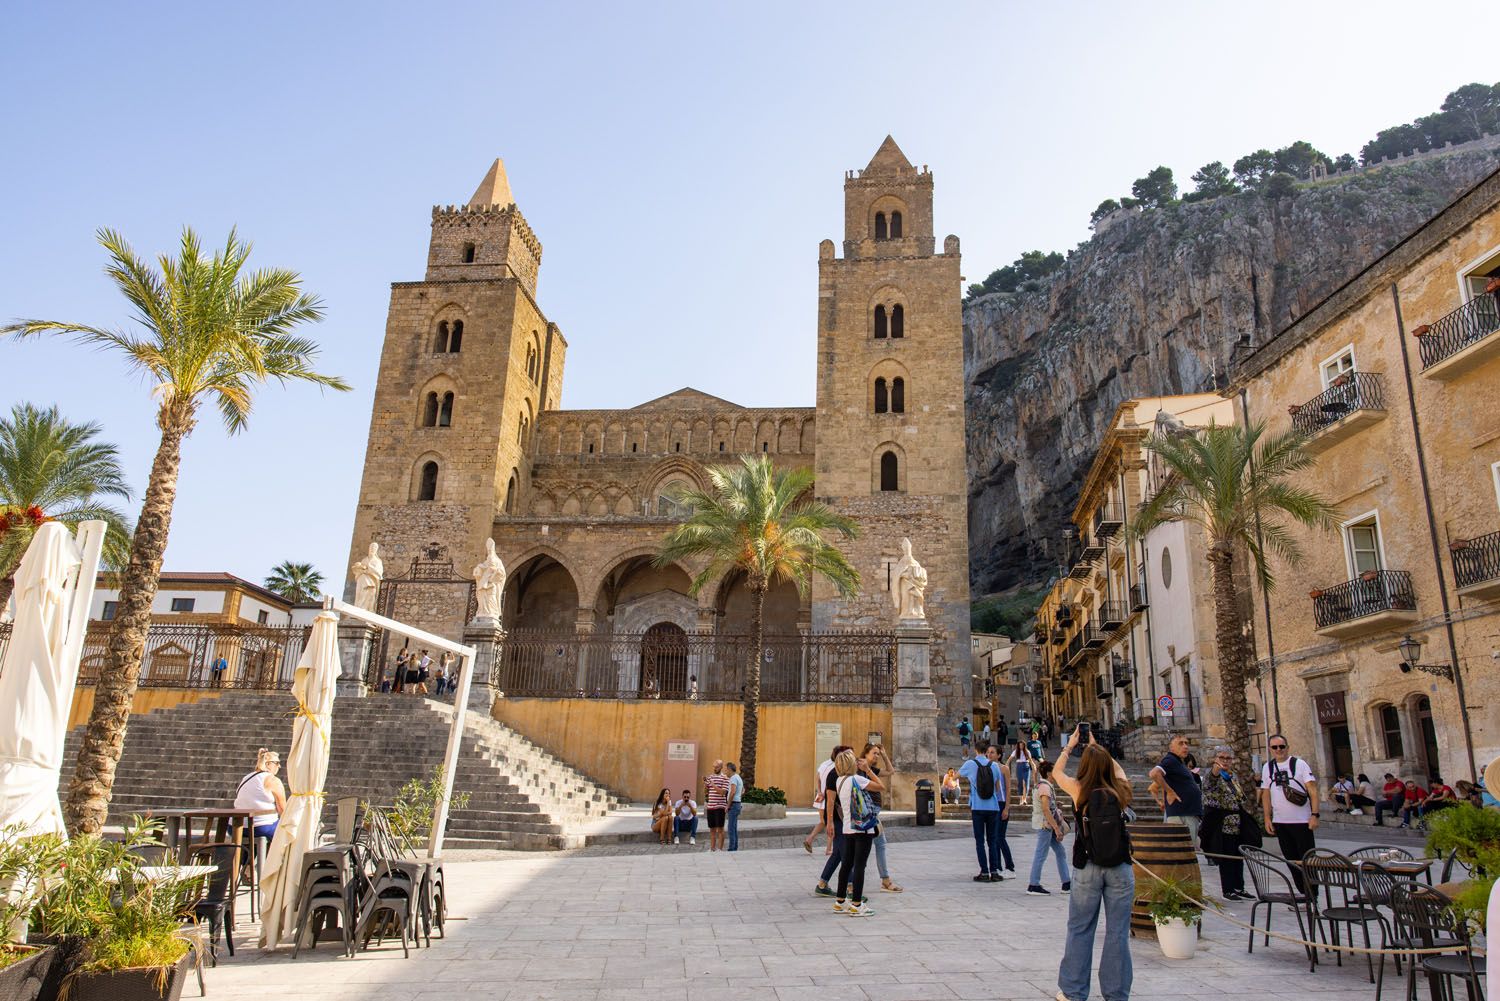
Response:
column 1155, row 304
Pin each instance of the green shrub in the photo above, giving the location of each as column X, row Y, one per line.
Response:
column 1170, row 898
column 411, row 815
column 773, row 795
column 1474, row 833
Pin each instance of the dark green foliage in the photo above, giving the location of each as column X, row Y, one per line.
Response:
column 1011, row 614
column 1280, row 185
column 1105, row 208
column 1253, row 168
column 1345, row 162
column 1467, row 113
column 1156, row 189
column 1022, row 276
column 771, row 795
column 1210, row 181
column 1298, row 159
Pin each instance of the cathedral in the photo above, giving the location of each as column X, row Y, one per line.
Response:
column 468, row 443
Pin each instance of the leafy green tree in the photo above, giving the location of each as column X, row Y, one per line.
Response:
column 1253, row 168
column 1280, row 185
column 1240, row 486
column 54, row 470
column 1393, row 142
column 1212, row 180
column 1156, row 189
column 1345, row 162
column 1473, row 110
column 1024, row 274
column 210, row 332
column 1298, row 159
column 296, row 582
column 1105, row 208
column 764, row 523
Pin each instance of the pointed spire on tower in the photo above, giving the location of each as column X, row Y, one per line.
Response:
column 888, row 159
column 494, row 189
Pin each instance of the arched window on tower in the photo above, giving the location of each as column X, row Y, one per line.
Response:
column 895, row 225
column 889, row 478
column 510, row 495
column 440, row 342
column 468, row 253
column 457, row 339
column 898, row 322
column 531, row 362
column 427, row 489
column 898, row 395
column 445, row 411
column 882, row 404
column 430, row 411
column 880, row 225
column 880, row 323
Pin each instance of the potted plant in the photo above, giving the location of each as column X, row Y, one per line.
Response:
column 763, row 804
column 1458, row 545
column 23, row 966
column 1315, row 593
column 1422, row 330
column 1474, row 834
column 1176, row 916
column 1369, row 575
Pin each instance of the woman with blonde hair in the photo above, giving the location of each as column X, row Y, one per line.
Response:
column 853, row 774
column 262, row 793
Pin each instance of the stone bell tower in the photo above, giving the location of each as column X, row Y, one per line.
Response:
column 469, row 362
column 890, row 414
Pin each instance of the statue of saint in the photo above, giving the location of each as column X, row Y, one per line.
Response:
column 910, row 585
column 367, row 575
column 489, row 583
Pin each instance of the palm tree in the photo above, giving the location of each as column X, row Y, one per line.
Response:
column 761, row 522
column 210, row 332
column 1236, row 486
column 54, row 470
column 297, row 582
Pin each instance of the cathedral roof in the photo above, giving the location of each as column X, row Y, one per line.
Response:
column 888, row 159
column 495, row 188
column 686, row 398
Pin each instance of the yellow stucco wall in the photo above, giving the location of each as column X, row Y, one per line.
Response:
column 146, row 700
column 622, row 744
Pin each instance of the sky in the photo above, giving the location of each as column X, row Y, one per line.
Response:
column 679, row 162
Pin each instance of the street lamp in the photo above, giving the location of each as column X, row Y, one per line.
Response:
column 1411, row 657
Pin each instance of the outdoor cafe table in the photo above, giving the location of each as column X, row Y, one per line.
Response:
column 1411, row 869
column 221, row 825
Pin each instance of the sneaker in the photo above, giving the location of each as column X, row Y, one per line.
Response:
column 692, row 841
column 995, row 877
column 823, row 891
column 676, row 841
column 1356, row 812
column 838, row 906
column 1067, row 887
column 983, row 877
column 1040, row 891
column 856, row 911
column 1404, row 826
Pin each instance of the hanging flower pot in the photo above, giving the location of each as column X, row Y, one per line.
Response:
column 1293, row 410
column 1421, row 331
column 1492, row 286
column 1315, row 593
column 1370, row 575
column 1458, row 545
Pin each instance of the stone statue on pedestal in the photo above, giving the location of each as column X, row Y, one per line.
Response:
column 489, row 584
column 368, row 573
column 910, row 585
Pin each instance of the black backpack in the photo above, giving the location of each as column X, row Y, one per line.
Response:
column 984, row 780
column 1102, row 835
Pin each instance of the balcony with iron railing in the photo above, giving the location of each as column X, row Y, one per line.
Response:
column 1112, row 616
column 1463, row 339
column 1138, row 602
column 1353, row 401
column 1374, row 601
column 1093, row 638
column 1074, row 651
column 1108, row 519
column 1476, row 565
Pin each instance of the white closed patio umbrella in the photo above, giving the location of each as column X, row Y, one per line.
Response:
column 39, row 672
column 306, row 771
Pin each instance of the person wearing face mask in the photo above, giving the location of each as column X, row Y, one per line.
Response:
column 1227, row 823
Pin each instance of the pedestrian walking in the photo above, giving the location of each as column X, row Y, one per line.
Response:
column 820, row 788
column 399, row 682
column 1102, row 875
column 1289, row 802
column 1020, row 755
column 875, row 759
column 832, row 823
column 1051, row 828
column 424, row 671
column 717, row 801
column 1228, row 822
column 736, row 803
column 687, row 819
column 855, row 783
column 965, row 734
column 986, row 793
column 1176, row 787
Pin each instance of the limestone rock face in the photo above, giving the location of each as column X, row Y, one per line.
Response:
column 1159, row 303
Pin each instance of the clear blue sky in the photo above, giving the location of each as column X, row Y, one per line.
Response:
column 680, row 163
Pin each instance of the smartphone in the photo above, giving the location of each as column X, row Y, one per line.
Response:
column 1083, row 733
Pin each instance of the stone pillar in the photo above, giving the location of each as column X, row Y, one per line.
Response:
column 584, row 627
column 914, row 712
column 488, row 640
column 356, row 649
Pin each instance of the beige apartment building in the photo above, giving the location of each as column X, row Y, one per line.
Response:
column 1379, row 652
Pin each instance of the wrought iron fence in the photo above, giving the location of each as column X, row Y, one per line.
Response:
column 1138, row 601
column 838, row 666
column 1186, row 713
column 179, row 655
column 1476, row 560
column 1349, row 392
column 1473, row 321
column 1370, row 592
column 1112, row 615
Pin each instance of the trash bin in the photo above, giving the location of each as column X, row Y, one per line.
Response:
column 926, row 804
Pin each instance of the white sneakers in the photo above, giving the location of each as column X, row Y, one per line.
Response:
column 1356, row 812
column 692, row 841
column 676, row 841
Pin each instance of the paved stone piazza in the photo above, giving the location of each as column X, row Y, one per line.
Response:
column 679, row 924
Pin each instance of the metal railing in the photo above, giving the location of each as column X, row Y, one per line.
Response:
column 1471, row 322
column 179, row 655
column 1370, row 592
column 1112, row 615
column 1186, row 712
column 1138, row 602
column 1476, row 560
column 1108, row 519
column 835, row 666
column 1349, row 392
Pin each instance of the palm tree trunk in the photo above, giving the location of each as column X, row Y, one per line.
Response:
column 7, row 588
column 750, row 735
column 104, row 740
column 1235, row 668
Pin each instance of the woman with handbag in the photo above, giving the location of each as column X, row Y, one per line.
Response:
column 1227, row 824
column 1051, row 828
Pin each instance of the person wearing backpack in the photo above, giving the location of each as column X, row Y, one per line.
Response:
column 861, row 823
column 965, row 734
column 986, row 809
column 1102, row 874
column 1289, row 801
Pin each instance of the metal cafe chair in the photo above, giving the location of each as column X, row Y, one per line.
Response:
column 1334, row 891
column 1273, row 886
column 1424, row 919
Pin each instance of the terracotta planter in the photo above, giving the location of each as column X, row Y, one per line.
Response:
column 1492, row 286
column 1458, row 546
column 22, row 980
column 1370, row 575
column 1421, row 331
column 134, row 985
column 1315, row 594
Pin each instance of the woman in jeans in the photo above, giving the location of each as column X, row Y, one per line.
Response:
column 1047, row 818
column 874, row 757
column 853, row 774
column 1022, row 758
column 1111, row 888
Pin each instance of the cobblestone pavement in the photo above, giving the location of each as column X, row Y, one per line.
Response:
column 678, row 925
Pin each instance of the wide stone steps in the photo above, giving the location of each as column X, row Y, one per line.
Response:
column 195, row 755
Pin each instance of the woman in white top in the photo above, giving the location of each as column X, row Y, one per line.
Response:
column 262, row 792
column 853, row 772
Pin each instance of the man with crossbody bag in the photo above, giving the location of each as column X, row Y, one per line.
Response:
column 1289, row 800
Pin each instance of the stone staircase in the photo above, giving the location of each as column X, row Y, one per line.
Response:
column 520, row 796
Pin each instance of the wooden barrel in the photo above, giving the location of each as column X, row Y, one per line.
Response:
column 1167, row 850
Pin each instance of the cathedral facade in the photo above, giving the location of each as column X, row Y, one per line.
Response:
column 467, row 443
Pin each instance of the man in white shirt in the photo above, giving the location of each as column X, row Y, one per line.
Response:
column 818, row 803
column 687, row 818
column 1282, row 780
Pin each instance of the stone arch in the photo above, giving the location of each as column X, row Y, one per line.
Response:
column 887, row 312
column 629, row 573
column 880, row 468
column 430, row 399
column 885, row 206
column 541, row 591
column 593, row 434
column 809, row 436
column 635, row 437
column 614, row 439
column 699, row 440
column 732, row 604
column 681, row 438
column 765, row 435
column 787, row 438
column 723, row 437
column 624, row 504
column 744, row 435
column 543, row 503
column 419, row 476
column 598, row 504
column 888, row 370
column 573, row 503
column 446, row 330
column 665, row 473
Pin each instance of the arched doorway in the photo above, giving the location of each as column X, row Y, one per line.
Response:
column 664, row 662
column 1429, row 737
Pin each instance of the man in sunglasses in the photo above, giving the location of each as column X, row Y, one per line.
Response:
column 1289, row 800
